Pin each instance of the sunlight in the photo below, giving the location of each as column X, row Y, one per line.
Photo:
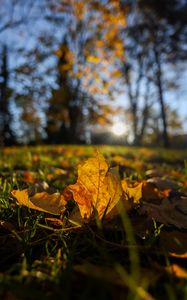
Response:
column 118, row 129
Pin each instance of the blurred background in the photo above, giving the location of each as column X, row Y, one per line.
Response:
column 95, row 71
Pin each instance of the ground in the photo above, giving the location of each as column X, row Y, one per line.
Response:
column 136, row 254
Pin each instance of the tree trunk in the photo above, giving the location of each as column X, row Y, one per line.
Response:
column 6, row 136
column 133, row 98
column 145, row 113
column 161, row 100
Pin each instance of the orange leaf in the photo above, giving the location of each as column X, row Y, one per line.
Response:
column 177, row 271
column 49, row 203
column 182, row 256
column 29, row 177
column 133, row 193
column 97, row 187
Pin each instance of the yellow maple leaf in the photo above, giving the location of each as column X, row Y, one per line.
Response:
column 134, row 192
column 97, row 187
column 49, row 203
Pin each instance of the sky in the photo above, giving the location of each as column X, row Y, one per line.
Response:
column 26, row 36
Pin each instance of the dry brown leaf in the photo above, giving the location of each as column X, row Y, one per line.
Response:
column 49, row 203
column 164, row 183
column 167, row 213
column 150, row 192
column 97, row 187
column 75, row 217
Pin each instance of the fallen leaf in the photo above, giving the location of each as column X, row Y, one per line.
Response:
column 134, row 192
column 181, row 205
column 49, row 203
column 167, row 213
column 177, row 271
column 182, row 256
column 75, row 217
column 36, row 158
column 56, row 173
column 163, row 183
column 97, row 187
column 150, row 192
column 29, row 176
column 65, row 164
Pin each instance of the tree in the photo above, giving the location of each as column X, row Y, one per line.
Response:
column 6, row 133
column 81, row 66
column 64, row 114
column 139, row 100
column 32, row 82
column 90, row 30
column 17, row 101
column 157, row 30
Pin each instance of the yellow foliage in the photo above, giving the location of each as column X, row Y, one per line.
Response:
column 65, row 67
column 58, row 52
column 111, row 34
column 134, row 192
column 79, row 9
column 49, row 203
column 99, row 43
column 93, row 59
column 117, row 74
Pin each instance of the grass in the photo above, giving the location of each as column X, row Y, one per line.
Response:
column 126, row 258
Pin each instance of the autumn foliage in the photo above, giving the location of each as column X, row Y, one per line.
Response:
column 99, row 189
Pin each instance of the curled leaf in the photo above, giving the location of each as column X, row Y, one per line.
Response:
column 49, row 203
column 133, row 193
column 177, row 271
column 182, row 256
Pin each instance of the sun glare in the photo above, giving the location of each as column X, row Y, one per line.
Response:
column 118, row 129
